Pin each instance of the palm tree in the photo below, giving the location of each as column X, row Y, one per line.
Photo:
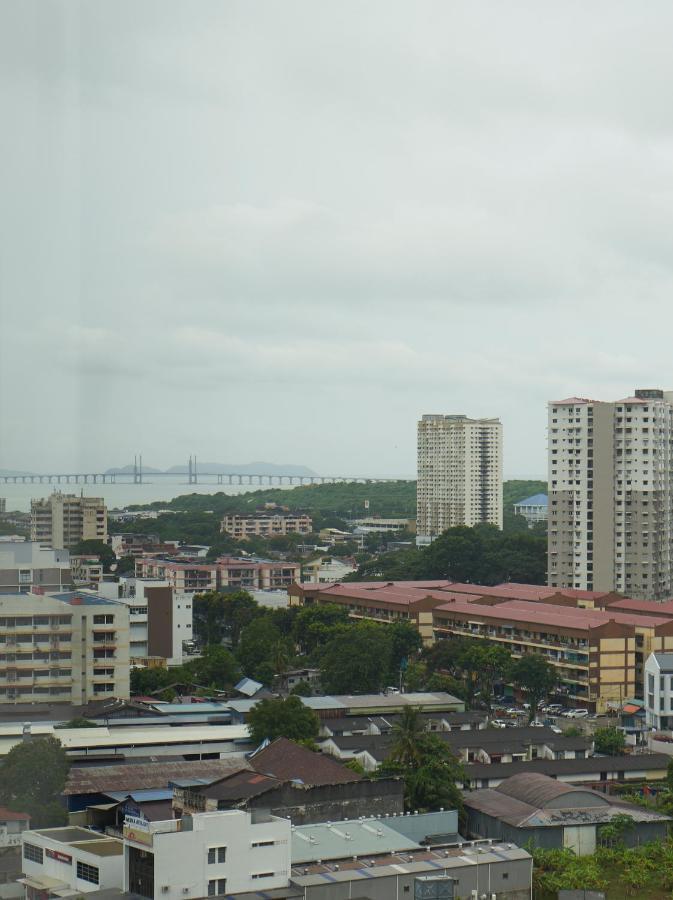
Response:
column 407, row 738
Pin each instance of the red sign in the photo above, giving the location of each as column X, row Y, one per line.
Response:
column 58, row 856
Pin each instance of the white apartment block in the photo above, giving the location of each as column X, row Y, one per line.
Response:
column 610, row 516
column 459, row 474
column 68, row 648
column 266, row 525
column 63, row 520
column 206, row 855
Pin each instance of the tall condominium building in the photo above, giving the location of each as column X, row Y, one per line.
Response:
column 611, row 494
column 63, row 520
column 459, row 474
column 69, row 647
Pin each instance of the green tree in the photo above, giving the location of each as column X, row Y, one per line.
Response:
column 126, row 565
column 406, row 750
column 260, row 649
column 610, row 741
column 96, row 548
column 280, row 717
column 32, row 779
column 357, row 660
column 430, row 769
column 216, row 668
column 218, row 616
column 302, row 689
column 669, row 775
column 535, row 676
column 314, row 625
column 146, row 681
column 405, row 643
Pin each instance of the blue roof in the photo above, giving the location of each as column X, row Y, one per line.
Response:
column 81, row 598
column 248, row 687
column 535, row 500
column 141, row 796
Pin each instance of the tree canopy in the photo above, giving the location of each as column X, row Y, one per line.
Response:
column 357, row 660
column 535, row 676
column 610, row 741
column 280, row 717
column 32, row 779
column 96, row 548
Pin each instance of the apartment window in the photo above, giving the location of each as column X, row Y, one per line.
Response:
column 103, row 620
column 263, row 875
column 263, row 843
column 87, row 873
column 33, row 853
column 217, row 855
column 217, row 886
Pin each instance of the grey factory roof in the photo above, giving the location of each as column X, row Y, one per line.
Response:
column 529, row 801
column 415, row 862
column 352, row 837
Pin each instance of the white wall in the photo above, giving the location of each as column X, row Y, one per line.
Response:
column 181, row 857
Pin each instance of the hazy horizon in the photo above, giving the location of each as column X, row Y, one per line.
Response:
column 251, row 230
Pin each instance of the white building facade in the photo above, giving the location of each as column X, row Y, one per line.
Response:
column 459, row 474
column 659, row 691
column 64, row 861
column 206, row 855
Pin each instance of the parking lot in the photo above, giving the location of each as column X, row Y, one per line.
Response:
column 551, row 715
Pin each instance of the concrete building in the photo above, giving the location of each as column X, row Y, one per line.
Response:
column 3, row 505
column 266, row 524
column 69, row 647
column 377, row 525
column 161, row 620
column 532, row 509
column 63, row 520
column 66, row 861
column 534, row 808
column 87, row 570
column 206, row 855
column 598, row 641
column 25, row 565
column 226, row 572
column 327, row 569
column 659, row 691
column 611, row 494
column 459, row 474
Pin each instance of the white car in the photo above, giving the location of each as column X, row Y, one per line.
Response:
column 578, row 714
column 536, row 723
column 556, row 729
column 555, row 709
column 513, row 711
column 498, row 723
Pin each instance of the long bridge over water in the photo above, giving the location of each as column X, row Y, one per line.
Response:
column 193, row 474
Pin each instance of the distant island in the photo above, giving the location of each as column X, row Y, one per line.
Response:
column 253, row 468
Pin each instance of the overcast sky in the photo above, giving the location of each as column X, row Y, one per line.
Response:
column 284, row 230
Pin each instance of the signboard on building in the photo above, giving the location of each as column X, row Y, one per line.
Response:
column 58, row 856
column 137, row 830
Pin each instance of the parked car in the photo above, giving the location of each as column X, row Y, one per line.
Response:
column 556, row 729
column 578, row 714
column 554, row 708
column 513, row 711
column 498, row 723
column 536, row 723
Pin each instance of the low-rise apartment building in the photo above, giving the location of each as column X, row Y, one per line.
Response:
column 266, row 525
column 69, row 648
column 377, row 525
column 87, row 570
column 327, row 569
column 226, row 572
column 25, row 565
column 63, row 520
column 533, row 509
column 597, row 642
column 659, row 691
column 161, row 621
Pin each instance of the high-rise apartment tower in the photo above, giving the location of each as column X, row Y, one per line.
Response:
column 63, row 520
column 611, row 494
column 459, row 474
